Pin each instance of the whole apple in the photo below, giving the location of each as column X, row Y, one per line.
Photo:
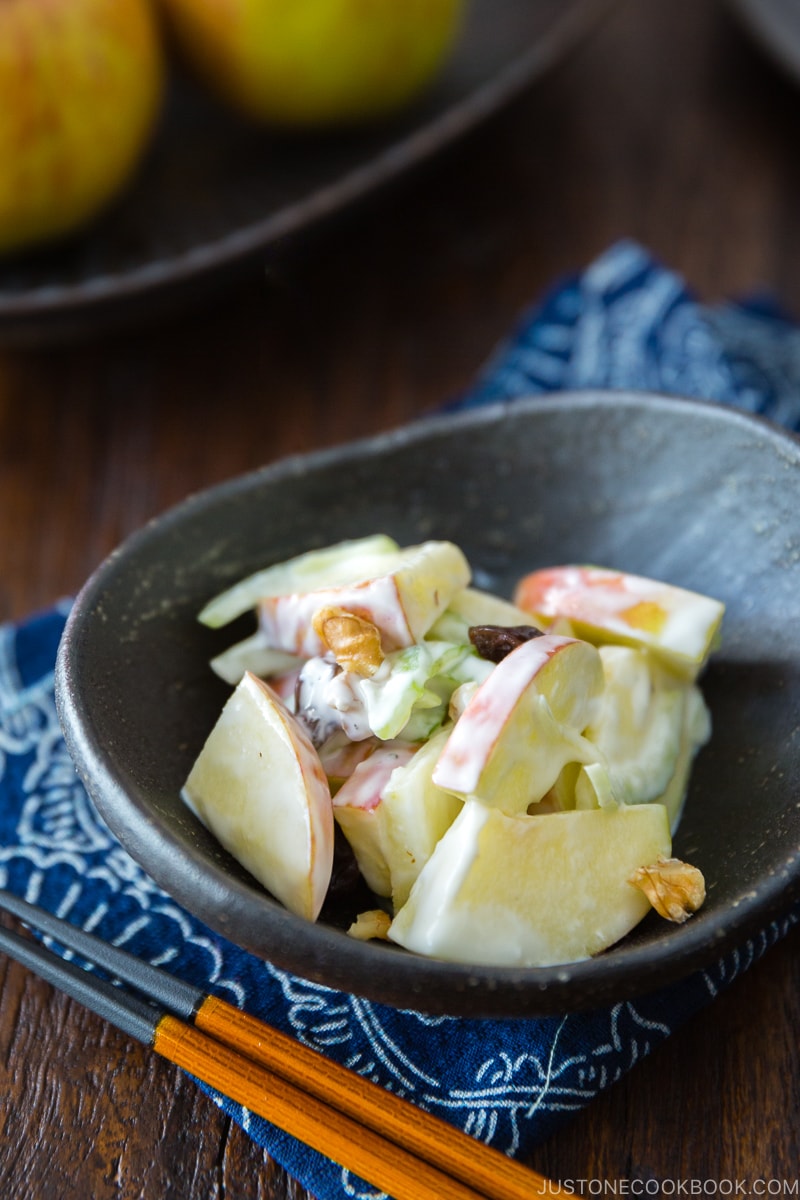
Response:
column 315, row 63
column 80, row 89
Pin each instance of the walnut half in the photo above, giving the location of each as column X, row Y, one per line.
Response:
column 371, row 924
column 354, row 641
column 674, row 888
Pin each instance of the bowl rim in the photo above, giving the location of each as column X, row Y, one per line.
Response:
column 326, row 955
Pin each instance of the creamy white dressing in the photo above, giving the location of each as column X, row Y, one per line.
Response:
column 408, row 695
column 327, row 699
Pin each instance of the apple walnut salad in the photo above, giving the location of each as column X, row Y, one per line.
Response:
column 508, row 775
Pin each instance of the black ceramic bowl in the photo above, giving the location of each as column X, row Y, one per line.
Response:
column 695, row 494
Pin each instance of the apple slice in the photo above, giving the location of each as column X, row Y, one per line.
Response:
column 524, row 724
column 529, row 891
column 393, row 815
column 402, row 591
column 259, row 787
column 679, row 626
column 341, row 563
column 254, row 655
column 695, row 733
column 649, row 727
column 402, row 597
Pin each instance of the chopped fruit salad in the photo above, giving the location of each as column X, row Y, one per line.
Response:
column 508, row 775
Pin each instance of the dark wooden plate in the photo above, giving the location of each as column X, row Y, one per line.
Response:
column 216, row 192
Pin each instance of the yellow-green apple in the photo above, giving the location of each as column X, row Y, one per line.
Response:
column 80, row 89
column 314, row 63
column 601, row 605
column 393, row 815
column 259, row 786
column 532, row 890
column 400, row 591
column 524, row 724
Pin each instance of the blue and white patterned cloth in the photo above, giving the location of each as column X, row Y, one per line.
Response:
column 627, row 322
column 624, row 322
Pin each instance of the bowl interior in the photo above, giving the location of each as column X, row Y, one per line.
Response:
column 695, row 494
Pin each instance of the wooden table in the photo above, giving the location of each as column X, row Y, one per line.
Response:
column 668, row 127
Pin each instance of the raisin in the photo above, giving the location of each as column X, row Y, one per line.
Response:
column 494, row 642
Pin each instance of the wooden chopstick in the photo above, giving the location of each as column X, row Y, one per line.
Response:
column 389, row 1167
column 377, row 1135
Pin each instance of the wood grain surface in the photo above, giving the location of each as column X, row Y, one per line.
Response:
column 668, row 127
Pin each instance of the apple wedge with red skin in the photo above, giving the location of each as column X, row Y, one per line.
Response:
column 402, row 600
column 401, row 590
column 359, row 811
column 524, row 724
column 679, row 626
column 393, row 815
column 259, row 787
